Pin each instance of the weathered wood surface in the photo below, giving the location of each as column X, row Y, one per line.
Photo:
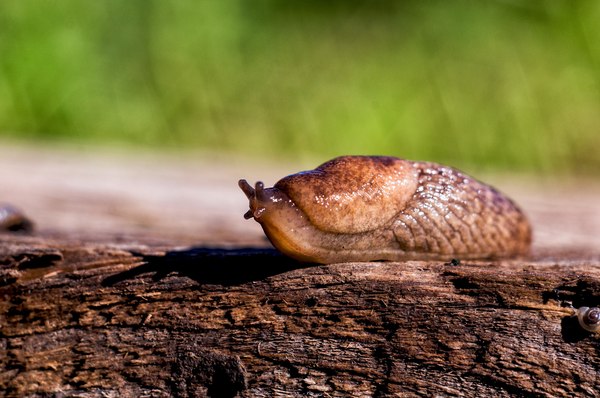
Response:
column 97, row 320
column 110, row 299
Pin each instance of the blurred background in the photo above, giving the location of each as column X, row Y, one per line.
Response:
column 505, row 85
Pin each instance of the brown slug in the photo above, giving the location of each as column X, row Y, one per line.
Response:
column 369, row 208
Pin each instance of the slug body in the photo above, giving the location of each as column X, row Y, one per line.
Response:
column 369, row 208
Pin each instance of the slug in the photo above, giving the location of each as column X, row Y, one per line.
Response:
column 12, row 219
column 589, row 318
column 379, row 208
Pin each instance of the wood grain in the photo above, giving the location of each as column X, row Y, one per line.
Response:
column 98, row 320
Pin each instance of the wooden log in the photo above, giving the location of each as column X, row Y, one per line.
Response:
column 85, row 319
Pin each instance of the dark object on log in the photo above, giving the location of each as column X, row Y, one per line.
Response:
column 98, row 320
column 13, row 219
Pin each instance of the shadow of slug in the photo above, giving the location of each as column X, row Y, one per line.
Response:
column 212, row 265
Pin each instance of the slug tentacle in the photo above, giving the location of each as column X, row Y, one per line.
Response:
column 247, row 188
column 257, row 197
column 365, row 208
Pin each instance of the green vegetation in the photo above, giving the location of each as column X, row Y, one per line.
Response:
column 496, row 84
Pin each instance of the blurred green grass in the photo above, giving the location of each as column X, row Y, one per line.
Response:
column 506, row 85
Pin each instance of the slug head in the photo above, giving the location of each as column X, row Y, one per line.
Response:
column 263, row 201
column 282, row 221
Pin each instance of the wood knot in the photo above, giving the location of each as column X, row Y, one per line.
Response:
column 204, row 372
